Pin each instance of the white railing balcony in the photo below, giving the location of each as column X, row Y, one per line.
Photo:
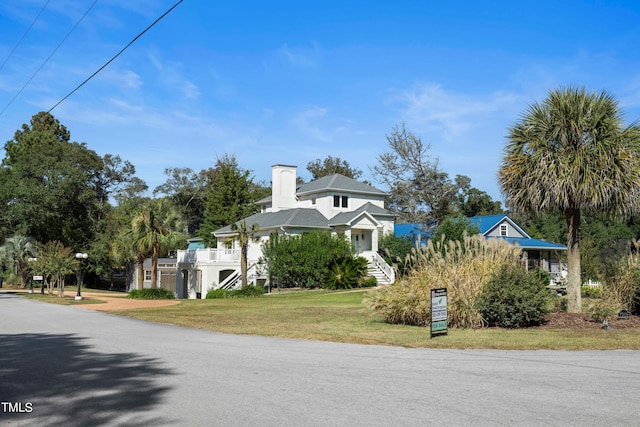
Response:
column 208, row 255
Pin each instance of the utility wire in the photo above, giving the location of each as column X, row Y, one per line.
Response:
column 25, row 34
column 49, row 57
column 116, row 55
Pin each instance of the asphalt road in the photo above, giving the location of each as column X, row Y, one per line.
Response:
column 67, row 366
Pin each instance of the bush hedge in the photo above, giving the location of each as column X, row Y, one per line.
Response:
column 215, row 294
column 514, row 297
column 153, row 293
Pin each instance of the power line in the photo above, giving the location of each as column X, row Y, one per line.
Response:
column 116, row 55
column 25, row 34
column 49, row 57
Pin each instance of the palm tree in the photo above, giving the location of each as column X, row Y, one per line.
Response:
column 152, row 231
column 244, row 236
column 570, row 154
column 17, row 250
column 123, row 253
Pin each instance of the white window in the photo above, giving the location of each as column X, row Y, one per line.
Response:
column 147, row 275
column 503, row 230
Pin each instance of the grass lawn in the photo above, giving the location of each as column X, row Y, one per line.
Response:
column 342, row 317
column 66, row 300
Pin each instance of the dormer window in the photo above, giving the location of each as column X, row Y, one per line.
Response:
column 340, row 201
column 504, row 230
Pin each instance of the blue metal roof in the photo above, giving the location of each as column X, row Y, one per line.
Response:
column 412, row 230
column 485, row 224
column 529, row 243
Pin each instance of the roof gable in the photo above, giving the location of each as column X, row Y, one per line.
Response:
column 369, row 209
column 489, row 223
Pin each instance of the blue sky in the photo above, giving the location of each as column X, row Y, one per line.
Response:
column 289, row 82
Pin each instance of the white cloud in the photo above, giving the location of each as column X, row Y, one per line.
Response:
column 429, row 107
column 307, row 122
column 127, row 79
column 169, row 73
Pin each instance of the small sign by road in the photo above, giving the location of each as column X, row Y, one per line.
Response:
column 438, row 312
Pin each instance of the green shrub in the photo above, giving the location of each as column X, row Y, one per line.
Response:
column 216, row 293
column 153, row 293
column 514, row 297
column 460, row 266
column 396, row 251
column 591, row 291
column 602, row 309
column 557, row 303
column 301, row 260
column 369, row 282
column 345, row 273
column 624, row 284
column 249, row 291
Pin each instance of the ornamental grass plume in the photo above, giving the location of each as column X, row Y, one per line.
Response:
column 461, row 266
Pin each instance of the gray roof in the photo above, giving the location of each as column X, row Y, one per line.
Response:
column 289, row 218
column 335, row 182
column 338, row 182
column 370, row 208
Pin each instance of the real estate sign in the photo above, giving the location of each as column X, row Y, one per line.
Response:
column 438, row 311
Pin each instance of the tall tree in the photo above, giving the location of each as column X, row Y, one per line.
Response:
column 332, row 165
column 572, row 153
column 230, row 197
column 117, row 179
column 155, row 230
column 16, row 251
column 470, row 201
column 186, row 189
column 420, row 191
column 52, row 188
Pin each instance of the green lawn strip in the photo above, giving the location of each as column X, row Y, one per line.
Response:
column 66, row 300
column 342, row 317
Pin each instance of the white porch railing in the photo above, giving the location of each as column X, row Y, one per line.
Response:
column 208, row 255
column 381, row 265
column 384, row 267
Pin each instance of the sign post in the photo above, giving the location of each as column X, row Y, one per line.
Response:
column 438, row 312
column 41, row 280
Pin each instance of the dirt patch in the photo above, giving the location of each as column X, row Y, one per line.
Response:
column 582, row 321
column 124, row 303
column 108, row 301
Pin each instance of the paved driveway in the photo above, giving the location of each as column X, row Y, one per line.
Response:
column 66, row 366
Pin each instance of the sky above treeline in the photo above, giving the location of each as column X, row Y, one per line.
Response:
column 287, row 82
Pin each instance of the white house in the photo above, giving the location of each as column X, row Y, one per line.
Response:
column 334, row 203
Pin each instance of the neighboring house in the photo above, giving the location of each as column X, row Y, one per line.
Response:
column 536, row 253
column 166, row 274
column 332, row 203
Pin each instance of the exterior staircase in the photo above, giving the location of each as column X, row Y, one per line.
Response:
column 378, row 268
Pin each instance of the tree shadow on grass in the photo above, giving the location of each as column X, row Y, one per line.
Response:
column 68, row 383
